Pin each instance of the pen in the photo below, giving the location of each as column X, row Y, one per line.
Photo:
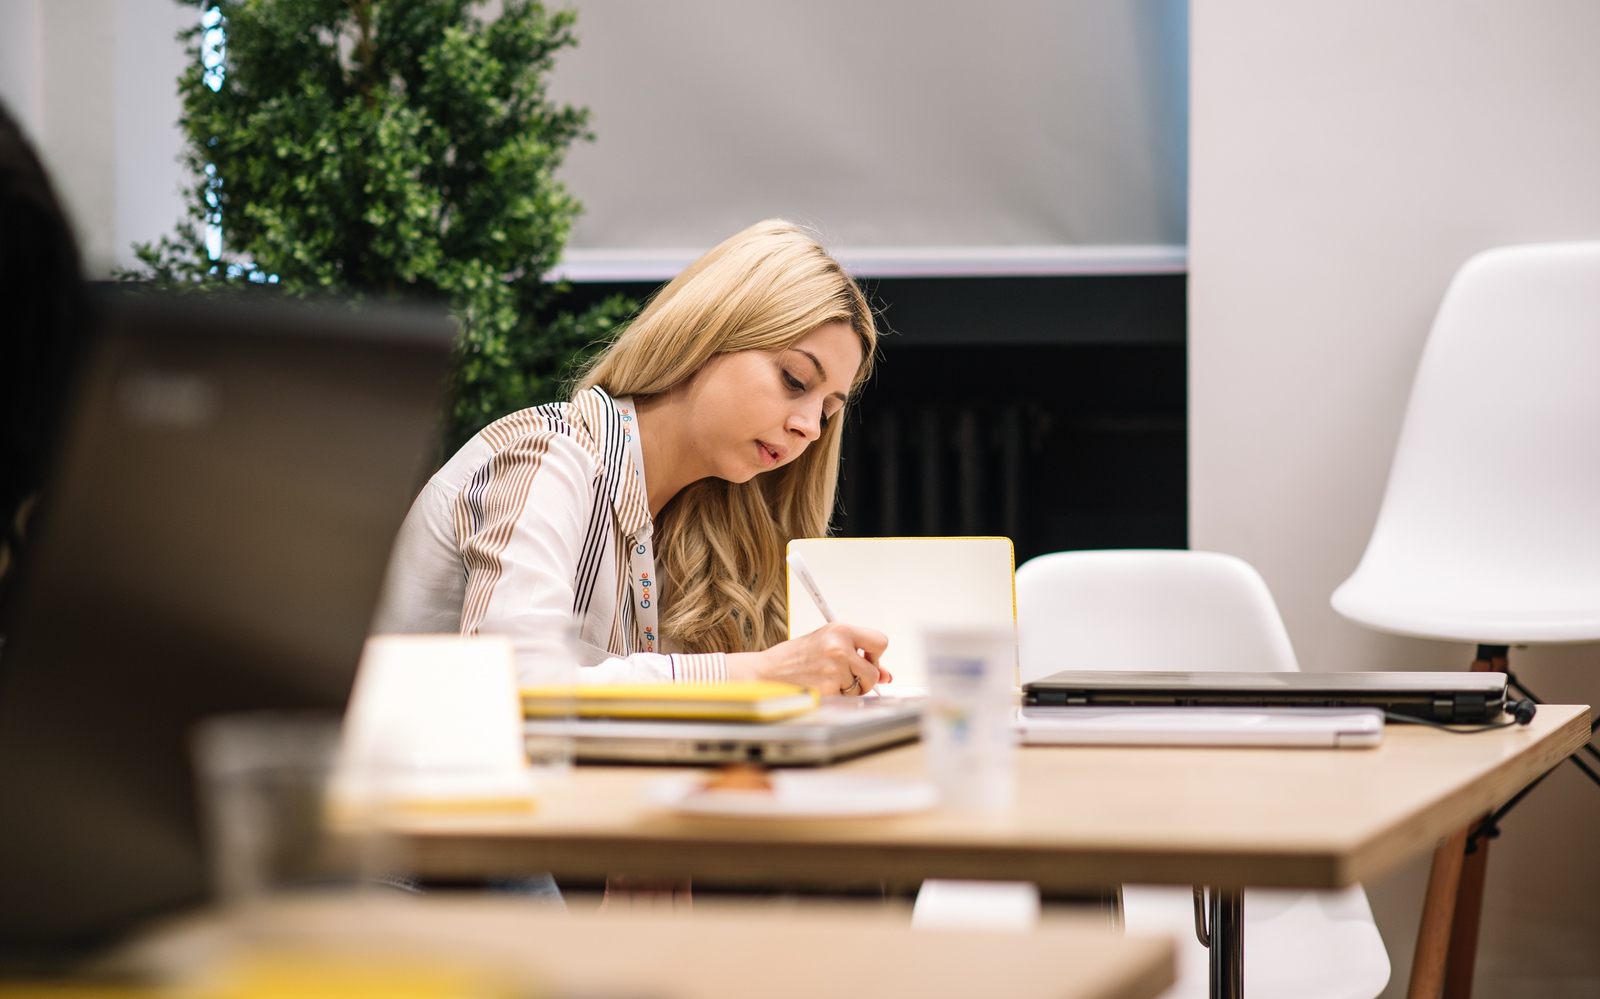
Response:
column 803, row 574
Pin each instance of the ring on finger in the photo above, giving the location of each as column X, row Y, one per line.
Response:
column 855, row 684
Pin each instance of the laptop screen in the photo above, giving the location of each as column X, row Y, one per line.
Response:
column 212, row 540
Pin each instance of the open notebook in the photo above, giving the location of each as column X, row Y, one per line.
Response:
column 900, row 585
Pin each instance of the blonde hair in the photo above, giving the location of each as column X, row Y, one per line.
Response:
column 720, row 545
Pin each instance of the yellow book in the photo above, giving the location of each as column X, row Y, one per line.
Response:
column 755, row 700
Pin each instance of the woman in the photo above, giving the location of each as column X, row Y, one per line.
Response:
column 654, row 508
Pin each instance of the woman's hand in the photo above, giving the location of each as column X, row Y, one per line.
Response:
column 835, row 659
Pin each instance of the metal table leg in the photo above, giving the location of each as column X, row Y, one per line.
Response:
column 1223, row 934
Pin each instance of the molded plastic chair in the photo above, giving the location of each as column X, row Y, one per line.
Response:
column 1488, row 531
column 1182, row 610
column 1490, row 527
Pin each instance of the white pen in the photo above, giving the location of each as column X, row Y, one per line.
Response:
column 803, row 574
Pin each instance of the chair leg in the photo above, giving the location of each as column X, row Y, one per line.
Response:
column 1463, row 956
column 1438, row 916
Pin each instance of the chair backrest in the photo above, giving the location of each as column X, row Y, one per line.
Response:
column 1490, row 526
column 1147, row 610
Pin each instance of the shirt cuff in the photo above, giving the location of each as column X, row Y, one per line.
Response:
column 705, row 667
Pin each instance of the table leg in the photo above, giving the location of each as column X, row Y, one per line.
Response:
column 1227, row 944
column 1438, row 915
column 1463, row 948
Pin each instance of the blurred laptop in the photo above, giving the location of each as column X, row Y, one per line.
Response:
column 212, row 540
column 839, row 728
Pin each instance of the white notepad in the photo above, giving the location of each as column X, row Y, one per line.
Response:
column 901, row 585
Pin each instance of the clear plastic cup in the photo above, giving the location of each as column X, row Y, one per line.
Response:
column 968, row 733
column 262, row 777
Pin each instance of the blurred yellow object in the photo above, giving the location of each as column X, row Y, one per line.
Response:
column 296, row 975
column 744, row 700
column 345, row 976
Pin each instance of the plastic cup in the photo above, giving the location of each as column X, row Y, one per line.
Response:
column 967, row 731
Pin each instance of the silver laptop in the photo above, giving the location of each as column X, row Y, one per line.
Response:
column 1445, row 697
column 840, row 728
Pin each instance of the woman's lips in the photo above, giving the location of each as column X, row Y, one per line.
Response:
column 770, row 456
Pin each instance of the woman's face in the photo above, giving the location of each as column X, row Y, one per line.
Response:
column 753, row 411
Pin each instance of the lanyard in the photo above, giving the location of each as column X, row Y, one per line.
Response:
column 641, row 550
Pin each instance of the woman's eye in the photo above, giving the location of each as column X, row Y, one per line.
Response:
column 793, row 382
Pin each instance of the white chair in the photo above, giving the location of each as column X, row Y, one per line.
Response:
column 1167, row 610
column 1488, row 531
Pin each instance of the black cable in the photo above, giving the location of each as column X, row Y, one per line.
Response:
column 1585, row 768
column 1516, row 681
column 1489, row 828
column 1521, row 713
column 1396, row 716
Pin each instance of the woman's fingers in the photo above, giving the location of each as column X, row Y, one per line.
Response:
column 856, row 650
column 870, row 641
column 865, row 672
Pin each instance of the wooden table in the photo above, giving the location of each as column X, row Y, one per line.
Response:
column 725, row 955
column 1086, row 818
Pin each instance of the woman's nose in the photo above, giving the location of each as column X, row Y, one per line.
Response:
column 806, row 425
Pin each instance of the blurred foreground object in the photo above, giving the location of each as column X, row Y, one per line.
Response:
column 969, row 728
column 732, row 952
column 390, row 149
column 434, row 725
column 41, row 284
column 213, row 541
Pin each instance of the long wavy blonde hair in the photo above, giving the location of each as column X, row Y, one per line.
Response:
column 719, row 544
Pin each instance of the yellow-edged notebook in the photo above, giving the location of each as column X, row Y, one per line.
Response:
column 755, row 701
column 901, row 585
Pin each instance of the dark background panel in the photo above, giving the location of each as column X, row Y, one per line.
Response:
column 1050, row 410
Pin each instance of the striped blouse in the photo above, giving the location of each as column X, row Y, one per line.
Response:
column 525, row 531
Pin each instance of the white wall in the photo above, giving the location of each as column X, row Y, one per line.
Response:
column 1346, row 157
column 884, row 123
column 94, row 83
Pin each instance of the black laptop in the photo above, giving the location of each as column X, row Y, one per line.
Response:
column 1447, row 698
column 212, row 541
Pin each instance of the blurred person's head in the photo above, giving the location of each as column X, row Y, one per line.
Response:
column 42, row 296
column 767, row 336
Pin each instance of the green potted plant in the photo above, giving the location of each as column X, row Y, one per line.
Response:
column 390, row 149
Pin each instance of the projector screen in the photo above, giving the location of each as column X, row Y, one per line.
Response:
column 903, row 131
